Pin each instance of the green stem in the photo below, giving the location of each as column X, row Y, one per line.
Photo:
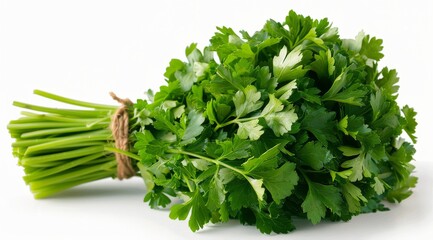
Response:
column 30, row 116
column 214, row 161
column 126, row 153
column 73, row 101
column 63, row 148
column 30, row 142
column 33, row 142
column 62, row 111
column 57, row 131
column 69, row 141
column 34, row 161
column 237, row 121
column 109, row 166
column 41, row 125
column 62, row 168
column 47, row 191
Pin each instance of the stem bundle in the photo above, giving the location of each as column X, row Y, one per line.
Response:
column 63, row 148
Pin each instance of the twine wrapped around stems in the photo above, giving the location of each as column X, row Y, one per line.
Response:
column 120, row 129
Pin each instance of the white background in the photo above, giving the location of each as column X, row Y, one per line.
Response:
column 84, row 49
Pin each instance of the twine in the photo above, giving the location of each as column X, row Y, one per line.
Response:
column 120, row 129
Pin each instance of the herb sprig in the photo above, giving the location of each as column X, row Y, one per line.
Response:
column 290, row 121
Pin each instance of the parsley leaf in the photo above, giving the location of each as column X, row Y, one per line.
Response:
column 236, row 149
column 194, row 126
column 409, row 127
column 321, row 124
column 320, row 198
column 315, row 155
column 281, row 122
column 273, row 220
column 199, row 214
column 247, row 101
column 280, row 182
column 354, row 197
column 251, row 129
column 286, row 66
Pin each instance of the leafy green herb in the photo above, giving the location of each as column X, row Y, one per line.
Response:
column 291, row 121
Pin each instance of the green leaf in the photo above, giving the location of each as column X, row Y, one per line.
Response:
column 227, row 76
column 378, row 186
column 315, row 155
column 265, row 161
column 340, row 82
column 399, row 161
column 280, row 182
column 274, row 220
column 186, row 78
column 217, row 111
column 224, row 215
column 163, row 121
column 257, row 185
column 147, row 177
column 170, row 91
column 195, row 99
column 388, row 81
column 378, row 104
column 357, row 129
column 353, row 95
column 199, row 68
column 247, row 101
column 342, row 125
column 157, row 198
column 226, row 175
column 200, row 164
column 174, row 66
column 199, row 216
column 402, row 190
column 284, row 92
column 274, row 105
column 300, row 28
column 318, row 199
column 323, row 64
column 372, row 47
column 241, row 195
column 281, row 122
column 210, row 113
column 354, row 44
column 285, row 64
column 350, row 151
column 321, row 124
column 359, row 167
column 410, row 126
column 143, row 138
column 251, row 129
column 262, row 40
column 194, row 127
column 265, row 80
column 353, row 196
column 235, row 149
column 216, row 194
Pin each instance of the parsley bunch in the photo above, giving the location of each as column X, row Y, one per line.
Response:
column 291, row 121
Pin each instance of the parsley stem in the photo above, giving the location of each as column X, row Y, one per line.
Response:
column 214, row 161
column 60, row 147
column 73, row 101
column 126, row 153
column 237, row 121
column 64, row 112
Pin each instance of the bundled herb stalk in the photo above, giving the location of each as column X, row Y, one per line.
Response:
column 291, row 121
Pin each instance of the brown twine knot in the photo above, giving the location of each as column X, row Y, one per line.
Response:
column 120, row 129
